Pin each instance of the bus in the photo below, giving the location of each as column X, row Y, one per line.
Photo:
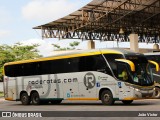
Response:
column 108, row 75
column 155, row 57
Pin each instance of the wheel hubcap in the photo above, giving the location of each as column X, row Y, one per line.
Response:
column 24, row 98
column 35, row 99
column 157, row 93
column 106, row 97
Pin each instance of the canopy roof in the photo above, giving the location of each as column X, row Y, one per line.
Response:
column 108, row 20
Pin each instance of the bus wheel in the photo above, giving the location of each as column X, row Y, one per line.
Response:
column 107, row 97
column 127, row 102
column 25, row 99
column 35, row 98
column 157, row 92
column 54, row 102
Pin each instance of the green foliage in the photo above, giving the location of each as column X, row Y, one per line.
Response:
column 74, row 44
column 71, row 46
column 1, row 94
column 56, row 46
column 17, row 52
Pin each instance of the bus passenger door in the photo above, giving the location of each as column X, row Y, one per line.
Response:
column 123, row 76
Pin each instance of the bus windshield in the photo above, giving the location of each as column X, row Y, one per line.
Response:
column 143, row 73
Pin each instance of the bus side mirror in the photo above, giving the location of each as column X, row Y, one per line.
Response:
column 130, row 63
column 155, row 64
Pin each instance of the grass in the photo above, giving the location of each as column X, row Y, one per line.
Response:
column 1, row 94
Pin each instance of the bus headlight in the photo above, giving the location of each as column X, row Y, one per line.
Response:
column 137, row 89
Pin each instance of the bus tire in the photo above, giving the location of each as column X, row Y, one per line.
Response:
column 127, row 102
column 107, row 97
column 35, row 98
column 25, row 99
column 157, row 92
column 54, row 102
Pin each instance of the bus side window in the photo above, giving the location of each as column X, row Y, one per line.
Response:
column 111, row 60
column 31, row 69
column 90, row 63
column 59, row 66
column 82, row 64
column 87, row 63
column 44, row 67
column 19, row 70
column 94, row 63
column 72, row 65
column 101, row 65
column 10, row 70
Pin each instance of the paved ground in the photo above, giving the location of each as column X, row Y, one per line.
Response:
column 140, row 105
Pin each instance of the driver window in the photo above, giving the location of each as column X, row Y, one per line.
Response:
column 122, row 72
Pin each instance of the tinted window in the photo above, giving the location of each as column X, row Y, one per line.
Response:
column 87, row 63
column 30, row 69
column 79, row 64
column 9, row 70
column 94, row 63
column 72, row 65
column 123, row 73
column 154, row 58
column 111, row 60
column 137, row 58
column 57, row 66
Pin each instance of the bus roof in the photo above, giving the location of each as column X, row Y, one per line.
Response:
column 99, row 51
column 77, row 54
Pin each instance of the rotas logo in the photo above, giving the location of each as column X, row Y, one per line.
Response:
column 89, row 80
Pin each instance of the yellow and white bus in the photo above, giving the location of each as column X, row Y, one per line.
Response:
column 156, row 75
column 108, row 75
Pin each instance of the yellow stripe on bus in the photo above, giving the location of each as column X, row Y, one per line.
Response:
column 155, row 63
column 53, row 58
column 129, row 62
column 82, row 99
column 132, row 98
column 9, row 99
column 67, row 56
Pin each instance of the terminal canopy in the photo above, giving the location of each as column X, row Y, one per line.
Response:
column 108, row 20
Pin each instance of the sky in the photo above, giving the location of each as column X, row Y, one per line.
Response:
column 18, row 17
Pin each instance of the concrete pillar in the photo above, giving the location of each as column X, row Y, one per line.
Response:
column 156, row 46
column 134, row 42
column 91, row 44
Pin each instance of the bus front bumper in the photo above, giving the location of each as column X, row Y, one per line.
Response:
column 144, row 94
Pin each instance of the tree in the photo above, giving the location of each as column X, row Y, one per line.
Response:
column 17, row 52
column 72, row 46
